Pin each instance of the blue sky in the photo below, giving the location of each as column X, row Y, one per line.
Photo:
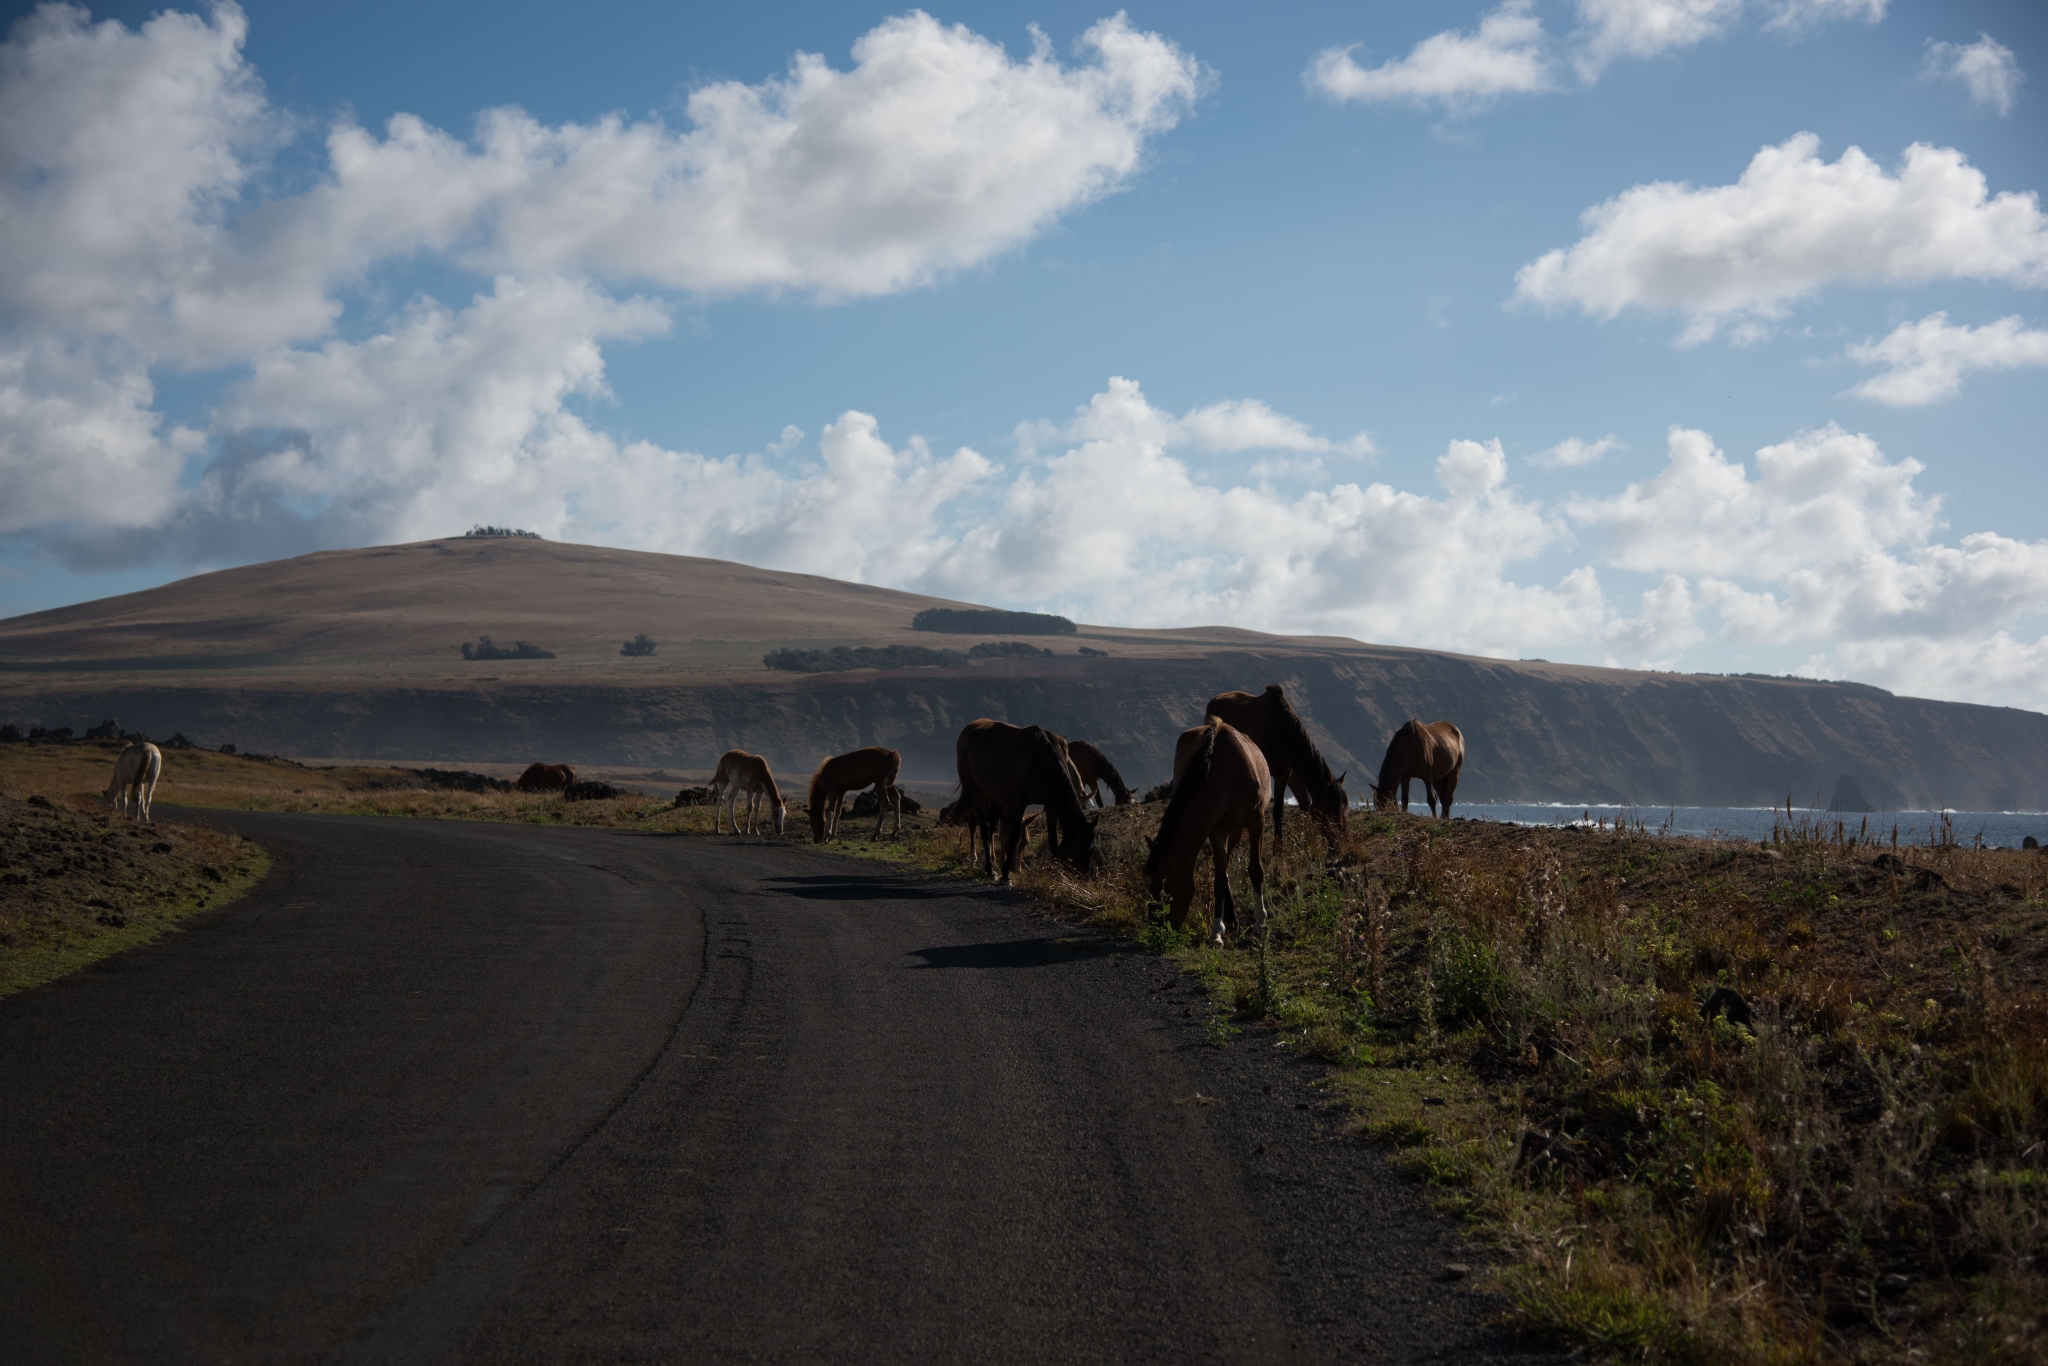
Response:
column 1287, row 316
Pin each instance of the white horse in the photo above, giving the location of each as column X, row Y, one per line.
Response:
column 134, row 783
column 741, row 774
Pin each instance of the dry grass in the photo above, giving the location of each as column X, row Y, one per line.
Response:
column 192, row 777
column 1859, row 1173
column 77, row 884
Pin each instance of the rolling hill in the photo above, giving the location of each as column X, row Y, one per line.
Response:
column 357, row 654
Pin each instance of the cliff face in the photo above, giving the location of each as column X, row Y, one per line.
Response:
column 1654, row 740
column 353, row 654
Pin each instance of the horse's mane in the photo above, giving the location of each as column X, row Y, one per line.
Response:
column 1117, row 787
column 1105, row 770
column 1191, row 780
column 817, row 792
column 1286, row 733
column 1058, row 799
column 1408, row 732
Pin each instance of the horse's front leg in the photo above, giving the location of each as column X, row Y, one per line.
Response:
column 1429, row 791
column 1013, row 844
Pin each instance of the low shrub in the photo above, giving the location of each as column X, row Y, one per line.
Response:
column 484, row 648
column 988, row 621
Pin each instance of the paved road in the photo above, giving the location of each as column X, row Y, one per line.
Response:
column 491, row 1093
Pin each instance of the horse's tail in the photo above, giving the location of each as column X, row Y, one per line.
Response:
column 816, row 801
column 1192, row 779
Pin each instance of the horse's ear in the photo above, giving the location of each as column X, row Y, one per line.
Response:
column 1342, row 776
column 1151, row 843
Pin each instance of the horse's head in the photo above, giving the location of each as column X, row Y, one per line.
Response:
column 1077, row 845
column 1155, row 870
column 1333, row 805
column 781, row 814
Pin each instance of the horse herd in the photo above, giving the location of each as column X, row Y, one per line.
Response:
column 1249, row 753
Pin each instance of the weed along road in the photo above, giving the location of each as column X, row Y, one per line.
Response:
column 441, row 1091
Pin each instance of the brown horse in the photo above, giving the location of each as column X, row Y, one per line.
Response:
column 1004, row 769
column 1094, row 769
column 1219, row 796
column 741, row 774
column 1433, row 753
column 546, row 778
column 1297, row 766
column 870, row 767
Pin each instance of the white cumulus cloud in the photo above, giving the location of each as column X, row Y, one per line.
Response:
column 1829, row 542
column 1925, row 361
column 1609, row 29
column 1459, row 72
column 1798, row 16
column 1986, row 68
column 1574, row 452
column 936, row 151
column 1789, row 226
column 143, row 233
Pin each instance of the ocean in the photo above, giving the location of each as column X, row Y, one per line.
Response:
column 1997, row 829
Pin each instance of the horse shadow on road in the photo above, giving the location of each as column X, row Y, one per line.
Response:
column 1016, row 953
column 838, row 887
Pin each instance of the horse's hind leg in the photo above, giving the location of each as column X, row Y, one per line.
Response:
column 1226, row 909
column 1256, row 866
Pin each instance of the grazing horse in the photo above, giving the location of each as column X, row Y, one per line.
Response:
column 1433, row 753
column 134, row 781
column 961, row 811
column 1095, row 769
column 873, row 766
column 741, row 774
column 1296, row 765
column 1220, row 794
column 546, row 778
column 1004, row 769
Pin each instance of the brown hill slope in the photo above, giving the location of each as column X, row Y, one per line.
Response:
column 355, row 654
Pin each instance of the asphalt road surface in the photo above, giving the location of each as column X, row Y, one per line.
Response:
column 440, row 1092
